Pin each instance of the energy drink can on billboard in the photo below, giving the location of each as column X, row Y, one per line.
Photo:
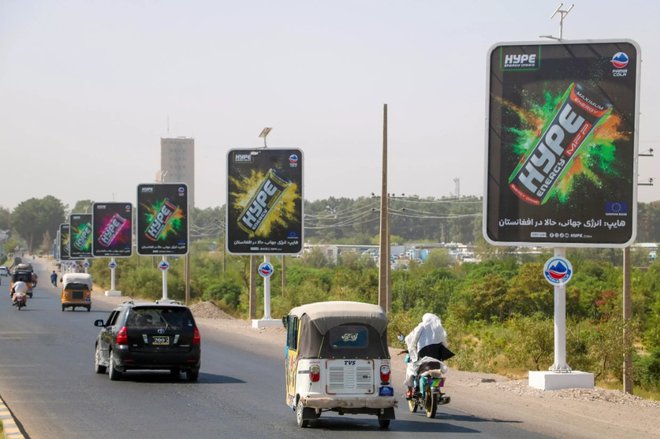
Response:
column 85, row 231
column 579, row 111
column 111, row 230
column 159, row 223
column 263, row 202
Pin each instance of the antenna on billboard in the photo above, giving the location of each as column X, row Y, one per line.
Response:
column 562, row 14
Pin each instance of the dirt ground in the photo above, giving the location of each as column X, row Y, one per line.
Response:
column 568, row 413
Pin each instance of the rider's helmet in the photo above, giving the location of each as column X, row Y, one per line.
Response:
column 20, row 287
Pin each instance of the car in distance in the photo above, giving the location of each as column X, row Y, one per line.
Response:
column 153, row 335
column 4, row 271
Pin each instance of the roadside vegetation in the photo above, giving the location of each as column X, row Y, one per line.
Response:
column 498, row 312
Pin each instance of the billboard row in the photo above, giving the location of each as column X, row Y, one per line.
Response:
column 562, row 144
column 264, row 201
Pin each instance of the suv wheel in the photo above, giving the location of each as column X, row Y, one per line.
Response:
column 98, row 367
column 114, row 374
column 192, row 374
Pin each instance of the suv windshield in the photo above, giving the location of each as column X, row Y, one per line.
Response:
column 155, row 317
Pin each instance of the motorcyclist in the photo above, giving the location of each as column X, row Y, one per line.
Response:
column 18, row 288
column 426, row 340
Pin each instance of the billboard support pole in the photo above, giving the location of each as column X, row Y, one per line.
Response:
column 267, row 292
column 112, row 274
column 560, row 364
column 165, row 280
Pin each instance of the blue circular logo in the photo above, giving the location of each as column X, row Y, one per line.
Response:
column 293, row 158
column 265, row 269
column 164, row 265
column 558, row 271
column 620, row 60
column 112, row 264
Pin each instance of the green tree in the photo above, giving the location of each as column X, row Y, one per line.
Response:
column 4, row 218
column 34, row 217
column 83, row 206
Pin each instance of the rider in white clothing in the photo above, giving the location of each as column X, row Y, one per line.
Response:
column 423, row 341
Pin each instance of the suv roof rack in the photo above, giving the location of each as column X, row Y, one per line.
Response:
column 170, row 301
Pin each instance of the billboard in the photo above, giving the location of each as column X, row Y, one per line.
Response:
column 63, row 244
column 561, row 147
column 80, row 235
column 113, row 227
column 162, row 219
column 264, row 201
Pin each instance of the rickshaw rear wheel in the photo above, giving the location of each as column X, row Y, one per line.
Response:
column 300, row 412
column 63, row 308
column 384, row 423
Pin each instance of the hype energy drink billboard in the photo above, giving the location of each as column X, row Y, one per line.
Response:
column 264, row 201
column 561, row 147
column 162, row 219
column 112, row 226
column 80, row 235
column 63, row 243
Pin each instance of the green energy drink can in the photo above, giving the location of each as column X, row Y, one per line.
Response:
column 159, row 223
column 263, row 202
column 84, row 235
column 579, row 112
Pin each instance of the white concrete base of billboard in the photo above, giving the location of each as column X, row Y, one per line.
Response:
column 267, row 323
column 113, row 293
column 549, row 380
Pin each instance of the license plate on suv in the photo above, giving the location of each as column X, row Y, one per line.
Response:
column 160, row 340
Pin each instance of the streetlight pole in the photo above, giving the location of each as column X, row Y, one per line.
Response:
column 384, row 297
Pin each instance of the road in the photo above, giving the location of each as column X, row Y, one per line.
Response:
column 47, row 381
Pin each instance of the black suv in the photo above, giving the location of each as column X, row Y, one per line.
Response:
column 160, row 335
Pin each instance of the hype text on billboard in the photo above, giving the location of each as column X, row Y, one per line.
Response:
column 561, row 144
column 264, row 201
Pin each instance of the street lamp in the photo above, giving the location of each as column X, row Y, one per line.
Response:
column 264, row 134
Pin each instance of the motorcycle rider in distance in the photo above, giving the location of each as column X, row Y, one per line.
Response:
column 423, row 341
column 18, row 288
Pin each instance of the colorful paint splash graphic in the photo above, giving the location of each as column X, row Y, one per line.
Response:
column 166, row 226
column 595, row 159
column 283, row 210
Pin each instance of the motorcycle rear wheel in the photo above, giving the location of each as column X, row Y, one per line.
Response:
column 430, row 403
column 412, row 405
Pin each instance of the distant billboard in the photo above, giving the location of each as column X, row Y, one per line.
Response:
column 162, row 219
column 63, row 244
column 112, row 225
column 264, row 201
column 562, row 144
column 80, row 235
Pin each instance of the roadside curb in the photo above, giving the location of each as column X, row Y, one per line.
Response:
column 9, row 426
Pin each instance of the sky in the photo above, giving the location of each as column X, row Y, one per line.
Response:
column 88, row 88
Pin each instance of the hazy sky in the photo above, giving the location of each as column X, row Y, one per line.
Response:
column 87, row 89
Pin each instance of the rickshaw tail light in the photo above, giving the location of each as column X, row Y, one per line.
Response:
column 314, row 373
column 385, row 373
column 197, row 337
column 122, row 336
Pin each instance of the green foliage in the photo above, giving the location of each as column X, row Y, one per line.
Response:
column 32, row 218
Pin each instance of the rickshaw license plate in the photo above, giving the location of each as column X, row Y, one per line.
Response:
column 160, row 340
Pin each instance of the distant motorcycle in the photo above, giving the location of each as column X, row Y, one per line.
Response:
column 20, row 300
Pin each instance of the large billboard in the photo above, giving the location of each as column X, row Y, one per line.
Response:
column 112, row 225
column 562, row 124
column 80, row 235
column 264, row 201
column 162, row 219
column 64, row 242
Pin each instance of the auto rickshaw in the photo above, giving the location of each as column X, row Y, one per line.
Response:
column 337, row 359
column 23, row 273
column 76, row 291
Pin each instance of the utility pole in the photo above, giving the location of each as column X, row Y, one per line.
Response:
column 384, row 295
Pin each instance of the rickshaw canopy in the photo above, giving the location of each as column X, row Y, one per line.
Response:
column 341, row 330
column 77, row 280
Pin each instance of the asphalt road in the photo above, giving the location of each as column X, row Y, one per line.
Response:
column 47, row 381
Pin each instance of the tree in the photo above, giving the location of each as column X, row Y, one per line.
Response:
column 4, row 218
column 34, row 217
column 83, row 206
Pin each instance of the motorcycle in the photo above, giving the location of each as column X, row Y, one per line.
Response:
column 428, row 384
column 20, row 300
